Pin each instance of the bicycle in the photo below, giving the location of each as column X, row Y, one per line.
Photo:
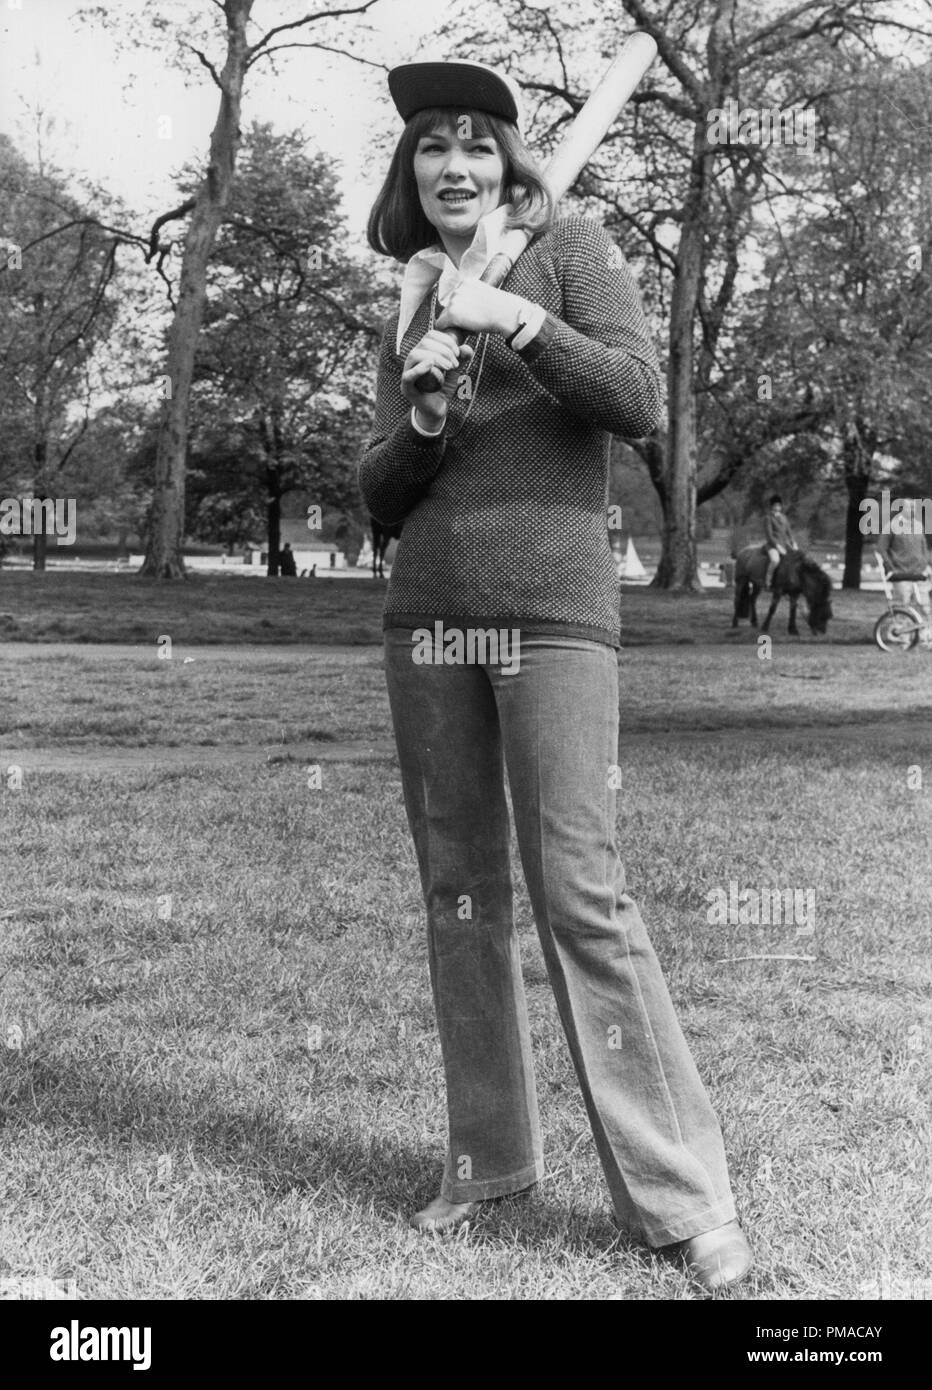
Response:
column 902, row 626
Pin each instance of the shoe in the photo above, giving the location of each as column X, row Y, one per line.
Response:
column 717, row 1258
column 443, row 1216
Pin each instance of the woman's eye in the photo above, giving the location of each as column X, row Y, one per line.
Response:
column 481, row 149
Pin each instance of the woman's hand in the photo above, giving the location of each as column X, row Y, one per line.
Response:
column 480, row 308
column 435, row 352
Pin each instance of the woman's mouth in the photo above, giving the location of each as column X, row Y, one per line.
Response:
column 455, row 197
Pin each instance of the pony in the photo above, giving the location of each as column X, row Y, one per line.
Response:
column 795, row 574
column 381, row 535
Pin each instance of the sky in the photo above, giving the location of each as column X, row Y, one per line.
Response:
column 104, row 103
column 127, row 118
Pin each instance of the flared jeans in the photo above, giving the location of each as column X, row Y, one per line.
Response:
column 550, row 719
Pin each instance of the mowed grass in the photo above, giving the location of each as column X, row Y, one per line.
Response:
column 210, row 697
column 238, row 1093
column 59, row 606
column 263, row 697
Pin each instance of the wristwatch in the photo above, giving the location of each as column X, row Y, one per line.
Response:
column 524, row 314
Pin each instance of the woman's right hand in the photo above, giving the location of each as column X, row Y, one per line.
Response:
column 436, row 351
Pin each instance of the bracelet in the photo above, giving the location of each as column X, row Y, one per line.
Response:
column 522, row 324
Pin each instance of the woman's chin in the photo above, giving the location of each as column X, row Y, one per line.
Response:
column 458, row 223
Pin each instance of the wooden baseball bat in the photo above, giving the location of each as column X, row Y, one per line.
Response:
column 577, row 147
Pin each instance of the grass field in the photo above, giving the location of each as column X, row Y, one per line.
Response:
column 221, row 1077
column 61, row 607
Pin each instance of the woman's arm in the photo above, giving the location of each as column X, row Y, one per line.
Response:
column 600, row 362
column 398, row 462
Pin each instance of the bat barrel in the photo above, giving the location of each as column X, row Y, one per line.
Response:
column 598, row 115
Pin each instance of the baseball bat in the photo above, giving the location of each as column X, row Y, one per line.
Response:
column 577, row 147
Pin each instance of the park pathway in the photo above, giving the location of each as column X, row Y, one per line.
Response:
column 105, row 759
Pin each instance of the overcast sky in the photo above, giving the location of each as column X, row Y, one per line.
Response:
column 105, row 99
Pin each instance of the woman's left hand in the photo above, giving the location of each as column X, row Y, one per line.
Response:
column 481, row 308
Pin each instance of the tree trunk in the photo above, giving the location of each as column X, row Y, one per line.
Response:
column 857, row 485
column 274, row 514
column 40, row 458
column 859, row 447
column 39, row 549
column 164, row 552
column 678, row 561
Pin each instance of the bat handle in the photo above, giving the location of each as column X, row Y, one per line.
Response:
column 495, row 272
column 433, row 380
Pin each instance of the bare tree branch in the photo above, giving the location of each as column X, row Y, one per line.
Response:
column 77, row 439
column 181, row 211
column 326, row 48
column 267, row 38
column 205, row 62
column 666, row 48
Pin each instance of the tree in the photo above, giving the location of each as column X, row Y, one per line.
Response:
column 205, row 209
column 685, row 184
column 57, row 307
column 847, row 307
column 284, row 352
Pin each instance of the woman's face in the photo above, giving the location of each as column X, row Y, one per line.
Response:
column 459, row 180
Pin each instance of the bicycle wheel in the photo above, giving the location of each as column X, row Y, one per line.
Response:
column 897, row 631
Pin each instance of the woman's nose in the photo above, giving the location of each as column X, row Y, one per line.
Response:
column 455, row 163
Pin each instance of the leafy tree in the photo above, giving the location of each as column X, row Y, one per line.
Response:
column 224, row 26
column 284, row 354
column 57, row 305
column 684, row 187
column 847, row 306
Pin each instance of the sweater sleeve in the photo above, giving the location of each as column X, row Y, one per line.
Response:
column 601, row 362
column 398, row 462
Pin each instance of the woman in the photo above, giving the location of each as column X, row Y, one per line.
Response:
column 501, row 636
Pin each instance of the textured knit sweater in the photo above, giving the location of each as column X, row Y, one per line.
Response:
column 505, row 512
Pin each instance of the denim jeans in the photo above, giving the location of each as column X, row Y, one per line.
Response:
column 553, row 723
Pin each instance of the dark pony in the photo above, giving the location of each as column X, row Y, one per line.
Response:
column 795, row 574
column 381, row 535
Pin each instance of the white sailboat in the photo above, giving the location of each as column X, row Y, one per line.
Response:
column 630, row 567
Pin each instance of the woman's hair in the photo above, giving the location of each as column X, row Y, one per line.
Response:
column 397, row 225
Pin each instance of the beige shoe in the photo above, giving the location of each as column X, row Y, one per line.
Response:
column 444, row 1216
column 717, row 1258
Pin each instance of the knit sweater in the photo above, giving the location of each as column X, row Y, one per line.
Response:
column 505, row 512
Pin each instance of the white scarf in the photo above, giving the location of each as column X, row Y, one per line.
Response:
column 427, row 266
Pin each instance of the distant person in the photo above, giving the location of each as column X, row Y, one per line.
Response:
column 908, row 553
column 779, row 537
column 286, row 562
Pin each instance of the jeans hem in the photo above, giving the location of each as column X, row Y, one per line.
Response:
column 493, row 1187
column 707, row 1220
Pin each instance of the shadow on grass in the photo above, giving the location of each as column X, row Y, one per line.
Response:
column 386, row 1175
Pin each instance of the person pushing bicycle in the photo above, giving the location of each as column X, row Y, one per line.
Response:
column 906, row 553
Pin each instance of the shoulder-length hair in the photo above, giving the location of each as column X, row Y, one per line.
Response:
column 397, row 225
